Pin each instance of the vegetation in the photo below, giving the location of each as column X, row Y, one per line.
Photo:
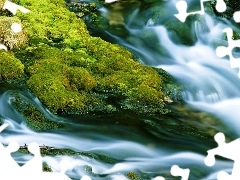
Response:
column 232, row 6
column 34, row 118
column 8, row 37
column 133, row 176
column 72, row 72
column 10, row 66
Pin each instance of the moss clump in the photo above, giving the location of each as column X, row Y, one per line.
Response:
column 7, row 36
column 72, row 72
column 133, row 176
column 75, row 82
column 53, row 93
column 46, row 168
column 10, row 67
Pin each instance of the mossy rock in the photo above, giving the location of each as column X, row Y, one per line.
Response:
column 72, row 72
column 8, row 37
column 10, row 67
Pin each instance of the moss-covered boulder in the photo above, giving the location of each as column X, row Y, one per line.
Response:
column 8, row 37
column 72, row 72
column 10, row 67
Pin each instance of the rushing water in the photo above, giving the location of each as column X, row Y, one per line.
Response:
column 146, row 146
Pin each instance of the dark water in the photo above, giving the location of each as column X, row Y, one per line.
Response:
column 147, row 146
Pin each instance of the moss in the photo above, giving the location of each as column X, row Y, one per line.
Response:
column 49, row 21
column 34, row 118
column 70, row 83
column 133, row 176
column 46, row 168
column 63, row 152
column 72, row 72
column 7, row 36
column 10, row 67
column 81, row 79
column 53, row 93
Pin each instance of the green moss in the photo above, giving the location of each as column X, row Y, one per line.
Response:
column 49, row 21
column 72, row 72
column 63, row 152
column 33, row 117
column 133, row 176
column 10, row 67
column 53, row 93
column 81, row 79
column 71, row 83
column 46, row 168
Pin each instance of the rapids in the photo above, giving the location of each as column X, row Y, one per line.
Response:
column 148, row 147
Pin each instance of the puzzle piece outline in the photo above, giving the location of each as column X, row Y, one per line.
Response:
column 30, row 170
column 227, row 150
column 222, row 51
column 182, row 9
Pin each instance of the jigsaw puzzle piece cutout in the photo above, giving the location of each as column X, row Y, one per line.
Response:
column 16, row 27
column 227, row 150
column 159, row 178
column 85, row 178
column 7, row 163
column 182, row 11
column 221, row 6
column 2, row 46
column 182, row 6
column 235, row 173
column 236, row 16
column 224, row 176
column 13, row 8
column 222, row 51
column 4, row 126
column 34, row 165
column 177, row 171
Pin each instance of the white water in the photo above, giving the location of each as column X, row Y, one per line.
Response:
column 210, row 85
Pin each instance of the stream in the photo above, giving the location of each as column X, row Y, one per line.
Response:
column 123, row 143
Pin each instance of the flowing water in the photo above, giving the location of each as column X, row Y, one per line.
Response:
column 119, row 143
